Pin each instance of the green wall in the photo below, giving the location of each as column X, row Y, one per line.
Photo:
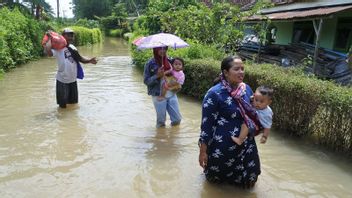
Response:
column 327, row 37
column 328, row 32
column 284, row 32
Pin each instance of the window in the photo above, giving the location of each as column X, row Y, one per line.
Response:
column 303, row 31
column 343, row 39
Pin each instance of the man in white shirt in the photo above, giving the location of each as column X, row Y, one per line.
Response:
column 68, row 60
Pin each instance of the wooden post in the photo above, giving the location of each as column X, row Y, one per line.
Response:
column 262, row 37
column 317, row 29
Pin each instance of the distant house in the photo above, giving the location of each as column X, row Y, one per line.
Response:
column 293, row 22
column 321, row 29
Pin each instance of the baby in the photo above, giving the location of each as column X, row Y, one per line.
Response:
column 261, row 100
column 174, row 78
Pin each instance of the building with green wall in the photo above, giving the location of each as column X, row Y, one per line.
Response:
column 293, row 22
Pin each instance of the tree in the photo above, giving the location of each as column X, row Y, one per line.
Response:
column 35, row 7
column 91, row 8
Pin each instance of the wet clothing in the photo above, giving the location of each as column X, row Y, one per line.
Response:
column 221, row 119
column 265, row 117
column 66, row 93
column 66, row 76
column 67, row 66
column 169, row 104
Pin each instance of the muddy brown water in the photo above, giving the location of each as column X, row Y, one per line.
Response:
column 107, row 146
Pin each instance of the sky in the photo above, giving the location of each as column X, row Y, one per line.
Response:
column 65, row 7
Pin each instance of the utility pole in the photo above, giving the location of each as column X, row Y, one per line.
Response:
column 58, row 9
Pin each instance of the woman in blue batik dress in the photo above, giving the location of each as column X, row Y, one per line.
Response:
column 222, row 116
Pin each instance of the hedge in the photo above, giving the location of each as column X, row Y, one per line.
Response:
column 303, row 105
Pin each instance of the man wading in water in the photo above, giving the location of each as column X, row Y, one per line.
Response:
column 68, row 60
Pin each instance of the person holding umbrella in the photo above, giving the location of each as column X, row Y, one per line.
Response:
column 153, row 75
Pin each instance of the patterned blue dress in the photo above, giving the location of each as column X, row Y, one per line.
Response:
column 221, row 119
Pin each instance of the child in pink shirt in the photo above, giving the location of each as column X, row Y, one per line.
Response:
column 174, row 78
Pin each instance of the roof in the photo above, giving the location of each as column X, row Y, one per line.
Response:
column 306, row 5
column 300, row 14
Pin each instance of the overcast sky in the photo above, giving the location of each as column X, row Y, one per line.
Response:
column 65, row 8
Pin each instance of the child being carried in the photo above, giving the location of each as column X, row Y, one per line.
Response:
column 173, row 78
column 261, row 100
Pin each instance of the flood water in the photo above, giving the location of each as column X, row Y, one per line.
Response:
column 107, row 146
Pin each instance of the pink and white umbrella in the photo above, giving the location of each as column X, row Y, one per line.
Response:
column 138, row 40
column 161, row 40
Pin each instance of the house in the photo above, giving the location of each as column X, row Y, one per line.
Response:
column 321, row 28
column 294, row 22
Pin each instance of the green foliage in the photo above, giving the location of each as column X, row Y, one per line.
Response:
column 85, row 36
column 91, row 8
column 35, row 32
column 19, row 38
column 110, row 22
column 200, row 75
column 307, row 106
column 6, row 60
column 195, row 22
column 148, row 24
column 303, row 106
column 213, row 25
column 196, row 50
column 114, row 22
column 166, row 5
column 115, row 33
column 88, row 23
column 134, row 7
column 119, row 10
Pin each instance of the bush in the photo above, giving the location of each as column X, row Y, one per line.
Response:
column 115, row 33
column 19, row 38
column 194, row 51
column 85, row 36
column 303, row 106
column 307, row 106
column 88, row 23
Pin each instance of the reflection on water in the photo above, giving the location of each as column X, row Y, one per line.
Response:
column 162, row 170
column 107, row 145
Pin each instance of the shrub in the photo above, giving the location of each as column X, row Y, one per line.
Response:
column 115, row 33
column 85, row 36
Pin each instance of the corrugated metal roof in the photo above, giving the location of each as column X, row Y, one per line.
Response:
column 317, row 12
column 306, row 5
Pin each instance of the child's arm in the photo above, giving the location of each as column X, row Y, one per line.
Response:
column 167, row 72
column 265, row 135
column 181, row 78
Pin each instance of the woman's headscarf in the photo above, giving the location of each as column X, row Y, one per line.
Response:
column 247, row 111
column 161, row 61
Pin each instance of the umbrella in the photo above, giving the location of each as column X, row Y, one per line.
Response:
column 138, row 40
column 161, row 40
